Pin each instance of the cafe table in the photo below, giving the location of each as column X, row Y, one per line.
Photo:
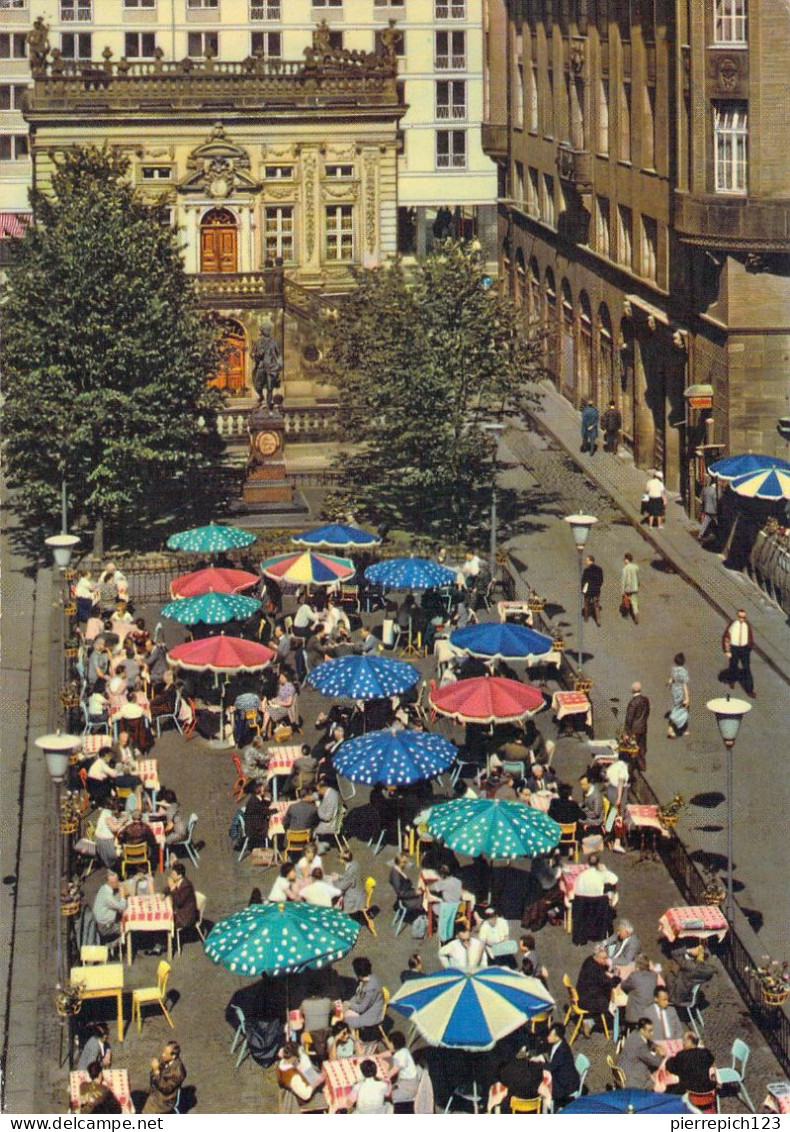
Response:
column 102, row 980
column 565, row 704
column 662, row 1078
column 567, row 882
column 343, row 1075
column 778, row 1097
column 149, row 913
column 646, row 820
column 699, row 921
column 280, row 764
column 117, row 1081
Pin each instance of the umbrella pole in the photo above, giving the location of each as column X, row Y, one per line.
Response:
column 221, row 743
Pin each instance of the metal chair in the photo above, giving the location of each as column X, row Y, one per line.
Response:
column 134, row 855
column 568, row 839
column 241, row 780
column 575, row 1010
column 187, row 844
column 519, row 1104
column 200, row 900
column 296, row 840
column 245, row 839
column 735, row 1074
column 241, row 1032
column 618, row 1076
column 172, row 716
column 90, row 726
column 370, row 885
column 693, row 1011
column 337, row 832
column 152, row 996
column 399, row 916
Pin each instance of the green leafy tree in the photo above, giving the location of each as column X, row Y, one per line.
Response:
column 422, row 358
column 105, row 358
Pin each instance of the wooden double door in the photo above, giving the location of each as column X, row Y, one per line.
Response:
column 219, row 242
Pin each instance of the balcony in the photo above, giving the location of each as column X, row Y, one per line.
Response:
column 733, row 223
column 575, row 166
column 494, row 139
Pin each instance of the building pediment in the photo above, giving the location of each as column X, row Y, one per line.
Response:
column 219, row 168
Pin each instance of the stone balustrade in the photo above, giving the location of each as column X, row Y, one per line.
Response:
column 311, row 422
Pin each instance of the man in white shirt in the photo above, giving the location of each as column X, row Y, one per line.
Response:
column 471, row 566
column 465, row 953
column 737, row 643
column 494, row 934
column 108, row 907
column 305, row 621
column 284, row 888
column 590, row 882
column 617, row 780
column 319, row 891
column 369, row 1097
column 666, row 1023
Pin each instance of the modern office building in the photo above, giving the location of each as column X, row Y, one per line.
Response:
column 643, row 150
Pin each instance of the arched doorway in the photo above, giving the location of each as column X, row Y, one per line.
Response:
column 219, row 242
column 535, row 309
column 552, row 329
column 627, row 347
column 232, row 374
column 587, row 387
column 568, row 343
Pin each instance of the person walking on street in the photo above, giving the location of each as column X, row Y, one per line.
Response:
column 709, row 501
column 636, row 716
column 678, row 714
column 589, row 428
column 656, row 499
column 611, row 423
column 738, row 642
column 592, row 581
column 630, row 588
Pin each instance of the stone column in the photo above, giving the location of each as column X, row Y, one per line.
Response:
column 245, row 245
column 192, row 252
column 311, row 210
column 369, row 220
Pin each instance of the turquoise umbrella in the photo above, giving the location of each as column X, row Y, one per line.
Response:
column 210, row 540
column 281, row 939
column 497, row 830
column 211, row 609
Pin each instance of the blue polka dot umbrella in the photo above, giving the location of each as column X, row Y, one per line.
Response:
column 211, row 609
column 488, row 827
column 363, row 677
column 626, row 1101
column 210, row 540
column 410, row 574
column 501, row 642
column 281, row 939
column 394, row 758
column 336, row 536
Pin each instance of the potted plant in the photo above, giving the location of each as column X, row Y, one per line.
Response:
column 72, row 647
column 68, row 999
column 670, row 812
column 69, row 814
column 582, row 684
column 715, row 893
column 70, row 899
column 774, row 979
column 627, row 745
column 536, row 604
column 558, row 645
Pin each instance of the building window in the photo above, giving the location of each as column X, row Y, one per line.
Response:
column 327, row 3
column 14, row 147
column 548, row 110
column 518, row 178
column 335, row 41
column 388, row 3
column 11, row 96
column 340, row 232
column 79, row 10
column 139, row 3
column 451, row 99
column 449, row 9
column 731, row 127
column 13, row 4
column 548, row 211
column 76, row 45
column 649, row 248
column 202, row 3
column 649, row 127
column 450, row 50
column 399, row 43
column 624, row 121
column 624, row 239
column 269, row 44
column 156, row 172
column 339, row 172
column 278, row 172
column 603, row 115
column 533, row 98
column 602, row 218
column 279, row 232
column 12, row 45
column 729, row 21
column 139, row 44
column 533, row 192
column 200, row 43
column 519, row 116
column 265, row 10
column 451, row 149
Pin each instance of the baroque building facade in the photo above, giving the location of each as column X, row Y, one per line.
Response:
column 644, row 211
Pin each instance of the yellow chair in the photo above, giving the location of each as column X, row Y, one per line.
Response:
column 134, row 855
column 123, row 792
column 296, row 840
column 94, row 953
column 618, row 1077
column 370, row 884
column 546, row 1018
column 152, row 996
column 568, row 837
column 253, row 721
column 518, row 1104
column 577, row 1012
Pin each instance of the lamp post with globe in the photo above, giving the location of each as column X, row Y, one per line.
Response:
column 729, row 716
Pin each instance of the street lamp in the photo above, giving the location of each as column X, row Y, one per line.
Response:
column 581, row 525
column 495, row 429
column 62, row 547
column 729, row 714
column 57, row 748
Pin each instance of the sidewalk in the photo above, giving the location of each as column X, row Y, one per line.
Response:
column 725, row 590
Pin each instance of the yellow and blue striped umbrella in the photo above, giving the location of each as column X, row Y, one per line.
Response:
column 211, row 609
column 308, row 569
column 773, row 483
column 473, row 1011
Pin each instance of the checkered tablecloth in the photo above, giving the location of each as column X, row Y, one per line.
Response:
column 570, row 874
column 147, row 914
column 779, row 1103
column 158, row 830
column 645, row 817
column 679, row 922
column 281, row 760
column 343, row 1075
column 117, row 1080
column 276, row 819
column 92, row 744
column 572, row 703
column 148, row 771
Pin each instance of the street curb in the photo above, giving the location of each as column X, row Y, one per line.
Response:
column 635, row 520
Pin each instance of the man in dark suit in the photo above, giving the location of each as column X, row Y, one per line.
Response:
column 560, row 1063
column 692, row 968
column 636, row 716
column 182, row 896
column 521, row 1077
column 594, row 985
column 592, row 581
column 302, row 814
column 692, row 1066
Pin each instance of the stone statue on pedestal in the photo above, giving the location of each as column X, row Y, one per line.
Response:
column 267, row 366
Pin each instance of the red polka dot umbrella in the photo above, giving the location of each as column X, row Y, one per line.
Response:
column 487, row 699
column 214, row 579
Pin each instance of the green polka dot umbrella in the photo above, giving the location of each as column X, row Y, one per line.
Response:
column 210, row 540
column 488, row 827
column 211, row 609
column 281, row 939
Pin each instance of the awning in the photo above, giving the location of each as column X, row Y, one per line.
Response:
column 14, row 224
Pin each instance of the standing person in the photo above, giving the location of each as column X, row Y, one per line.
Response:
column 350, row 884
column 656, row 502
column 611, row 423
column 630, row 588
column 709, row 501
column 637, row 713
column 560, row 1063
column 167, row 1076
column 692, row 1066
column 738, row 642
column 679, row 696
column 592, row 582
column 97, row 1047
column 589, row 425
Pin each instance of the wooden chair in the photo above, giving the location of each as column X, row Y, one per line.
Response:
column 576, row 1011
column 94, row 953
column 296, row 840
column 518, row 1104
column 703, row 1102
column 200, row 900
column 153, row 996
column 370, row 885
column 618, row 1077
column 134, row 855
column 568, row 839
column 241, row 780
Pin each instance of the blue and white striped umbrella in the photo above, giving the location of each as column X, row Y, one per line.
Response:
column 394, row 758
column 337, row 536
column 211, row 609
column 363, row 677
column 735, row 467
column 410, row 574
column 502, row 642
column 471, row 1011
column 771, row 483
column 211, row 539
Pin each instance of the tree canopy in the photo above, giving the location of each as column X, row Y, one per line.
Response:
column 423, row 357
column 105, row 356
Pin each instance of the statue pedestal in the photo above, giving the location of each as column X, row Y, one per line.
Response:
column 266, row 484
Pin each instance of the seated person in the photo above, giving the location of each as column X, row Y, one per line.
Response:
column 693, row 966
column 404, row 1070
column 666, row 1023
column 101, row 776
column 466, row 952
column 175, row 825
column 317, row 1010
column 592, row 805
column 306, row 768
column 320, row 891
column 541, row 779
column 138, row 832
column 405, row 892
column 414, row 968
column 285, row 887
column 366, row 1006
column 336, row 622
column 301, row 814
column 522, row 1078
column 370, row 1096
column 98, row 707
column 692, row 1066
column 594, row 985
column 506, row 791
column 108, row 908
column 254, row 760
column 95, row 1095
column 533, row 739
column 163, row 702
column 494, row 934
column 640, row 1057
column 328, row 809
column 281, row 706
column 307, row 862
column 300, row 1083
column 342, row 1044
column 624, row 946
column 564, row 810
column 640, row 987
